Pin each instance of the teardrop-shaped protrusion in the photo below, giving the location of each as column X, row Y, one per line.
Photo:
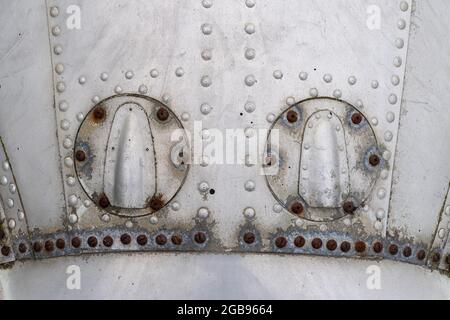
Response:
column 324, row 170
column 130, row 170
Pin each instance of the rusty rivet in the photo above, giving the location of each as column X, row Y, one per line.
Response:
column 407, row 252
column 161, row 239
column 162, row 114
column 200, row 237
column 421, row 255
column 345, row 246
column 393, row 249
column 60, row 243
column 80, row 155
column 349, row 207
column 436, row 257
column 6, row 251
column 280, row 242
column 142, row 239
column 249, row 237
column 316, row 243
column 299, row 242
column 125, row 239
column 157, row 202
column 297, row 208
column 92, row 241
column 76, row 242
column 103, row 201
column 377, row 247
column 37, row 246
column 108, row 241
column 292, row 116
column 357, row 118
column 360, row 246
column 374, row 160
column 331, row 245
column 176, row 239
column 49, row 246
column 99, row 113
column 22, row 248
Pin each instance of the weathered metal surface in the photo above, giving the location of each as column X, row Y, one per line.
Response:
column 232, row 65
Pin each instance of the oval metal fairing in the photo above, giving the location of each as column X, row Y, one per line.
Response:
column 323, row 147
column 124, row 155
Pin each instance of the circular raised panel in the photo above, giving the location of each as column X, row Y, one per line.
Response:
column 322, row 159
column 130, row 155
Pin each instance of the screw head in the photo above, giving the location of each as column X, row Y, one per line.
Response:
column 316, row 243
column 60, row 243
column 162, row 114
column 200, row 237
column 92, row 241
column 108, row 241
column 299, row 242
column 142, row 240
column 297, row 208
column 345, row 246
column 6, row 251
column 349, row 207
column 76, row 242
column 357, row 118
column 280, row 242
column 176, row 239
column 292, row 116
column 125, row 239
column 103, row 201
column 360, row 246
column 80, row 155
column 393, row 249
column 374, row 160
column 377, row 247
column 161, row 239
column 331, row 245
column 49, row 246
column 37, row 246
column 22, row 248
column 249, row 238
column 99, row 114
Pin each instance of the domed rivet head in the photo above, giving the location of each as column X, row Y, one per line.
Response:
column 125, row 239
column 250, row 54
column 250, row 107
column 20, row 215
column 60, row 243
column 390, row 117
column 56, row 31
column 270, row 118
column 349, row 207
column 23, row 248
column 299, row 242
column 352, row 80
column 67, row 143
column 388, row 136
column 207, row 4
column 249, row 238
column 54, row 12
column 377, row 247
column 179, row 72
column 345, row 246
column 108, row 241
column 303, row 76
column 203, row 187
column 142, row 240
column 249, row 213
column 11, row 224
column 73, row 218
column 200, row 237
column 3, row 180
column 176, row 239
column 399, row 43
column 250, row 185
column 401, row 24
column 357, row 118
column 68, row 162
column 49, row 246
column 250, row 28
column 118, row 89
column 162, row 114
column 441, row 233
column 10, row 203
column 205, row 81
column 337, row 93
column 37, row 246
column 327, row 78
column 76, row 242
column 65, row 124
column 129, row 75
column 421, row 255
column 73, row 200
column 206, row 55
column 142, row 89
column 393, row 249
column 280, row 242
column 380, row 214
column 316, row 243
column 103, row 201
column 185, row 116
column 313, row 92
column 436, row 257
column 57, row 49
column 404, row 6
column 360, row 246
column 398, row 62
column 407, row 252
column 375, row 84
column 292, row 116
column 61, row 86
column 278, row 74
column 80, row 155
column 277, row 208
column 250, row 80
column 106, row 217
column 71, row 181
column 205, row 108
column 297, row 208
column 206, row 28
column 203, row 213
column 175, row 206
column 154, row 73
column 250, row 3
column 63, row 106
column 92, row 242
column 154, row 220
column 104, row 76
column 82, row 80
column 331, row 245
column 395, row 80
column 59, row 68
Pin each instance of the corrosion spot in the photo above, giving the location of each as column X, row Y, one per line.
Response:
column 162, row 114
column 142, row 240
column 200, row 237
column 407, row 252
column 176, row 239
column 280, row 242
column 249, row 237
column 6, row 251
column 37, row 246
column 421, row 255
column 76, row 242
column 99, row 114
column 103, row 201
column 357, row 118
column 161, row 240
column 108, row 241
column 349, row 207
column 80, row 155
column 22, row 248
column 292, row 116
column 125, row 239
column 92, row 241
column 297, row 208
column 360, row 246
column 345, row 246
column 299, row 242
column 157, row 202
column 316, row 243
column 49, row 246
column 377, row 247
column 331, row 245
column 374, row 160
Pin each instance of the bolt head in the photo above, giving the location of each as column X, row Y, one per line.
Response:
column 6, row 251
column 103, row 201
column 393, row 249
column 99, row 114
column 22, row 248
column 49, row 246
column 421, row 255
column 37, row 246
column 60, row 243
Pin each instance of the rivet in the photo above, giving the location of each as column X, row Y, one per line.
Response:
column 104, row 76
column 37, row 246
column 60, row 86
column 297, row 208
column 357, row 118
column 108, row 241
column 349, row 207
column 59, row 68
column 23, row 248
column 407, row 252
column 54, row 12
column 92, row 241
column 118, row 89
column 249, row 213
column 303, row 76
column 154, row 73
column 249, row 238
column 203, row 213
column 352, row 80
column 206, row 55
column 129, row 75
column 277, row 74
column 337, row 93
column 398, row 62
column 299, row 242
column 68, row 162
column 399, row 43
column 404, row 6
column 250, row 3
column 206, row 28
column 374, row 160
column 67, row 143
column 360, row 246
column 250, row 80
column 57, row 49
column 73, row 200
column 56, row 31
column 331, row 245
column 316, row 243
column 11, row 224
column 162, row 114
column 280, row 242
column 401, row 24
column 179, row 72
column 421, row 255
column 313, row 92
column 250, row 28
column 103, row 201
column 250, row 54
column 142, row 240
column 49, row 246
column 143, row 89
column 125, row 239
column 395, row 80
column 393, row 249
column 82, row 80
column 436, row 257
column 327, row 78
column 6, row 251
column 60, row 243
column 63, row 106
column 377, row 247
column 250, row 185
column 76, row 242
column 345, row 246
column 292, row 116
column 206, row 81
column 200, row 237
column 176, row 239
column 80, row 155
